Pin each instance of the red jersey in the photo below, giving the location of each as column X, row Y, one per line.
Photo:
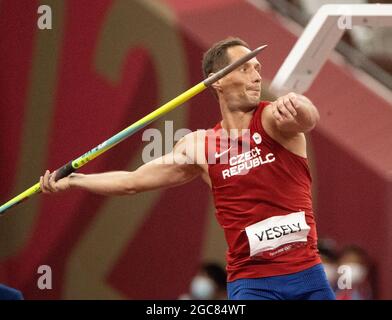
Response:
column 262, row 195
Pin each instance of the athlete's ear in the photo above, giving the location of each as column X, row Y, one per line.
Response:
column 217, row 84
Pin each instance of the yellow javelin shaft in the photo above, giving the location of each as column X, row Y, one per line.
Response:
column 108, row 144
column 154, row 115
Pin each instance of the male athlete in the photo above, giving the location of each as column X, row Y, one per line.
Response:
column 260, row 181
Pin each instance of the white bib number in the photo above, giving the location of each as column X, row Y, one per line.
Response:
column 277, row 232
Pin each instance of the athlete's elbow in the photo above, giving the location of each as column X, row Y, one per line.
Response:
column 315, row 120
column 129, row 191
column 311, row 121
column 128, row 186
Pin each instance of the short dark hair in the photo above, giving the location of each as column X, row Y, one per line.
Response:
column 327, row 248
column 357, row 250
column 216, row 57
column 217, row 274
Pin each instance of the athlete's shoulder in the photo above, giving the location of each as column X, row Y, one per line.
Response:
column 264, row 103
column 261, row 113
column 192, row 137
column 263, row 108
column 191, row 142
column 195, row 137
column 192, row 145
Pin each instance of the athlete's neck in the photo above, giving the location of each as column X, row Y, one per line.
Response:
column 236, row 119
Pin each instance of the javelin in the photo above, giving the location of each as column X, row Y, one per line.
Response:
column 74, row 165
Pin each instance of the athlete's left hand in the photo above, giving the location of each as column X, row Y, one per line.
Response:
column 288, row 106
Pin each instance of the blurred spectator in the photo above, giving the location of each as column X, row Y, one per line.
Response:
column 361, row 269
column 7, row 293
column 329, row 257
column 208, row 284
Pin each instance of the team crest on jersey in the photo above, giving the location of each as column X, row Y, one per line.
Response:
column 256, row 138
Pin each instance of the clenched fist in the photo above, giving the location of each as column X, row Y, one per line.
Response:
column 287, row 107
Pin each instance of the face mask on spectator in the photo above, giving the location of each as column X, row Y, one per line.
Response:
column 202, row 288
column 330, row 271
column 358, row 272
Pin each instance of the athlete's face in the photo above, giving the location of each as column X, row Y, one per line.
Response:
column 242, row 87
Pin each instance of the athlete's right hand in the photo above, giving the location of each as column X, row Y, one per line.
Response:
column 48, row 185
